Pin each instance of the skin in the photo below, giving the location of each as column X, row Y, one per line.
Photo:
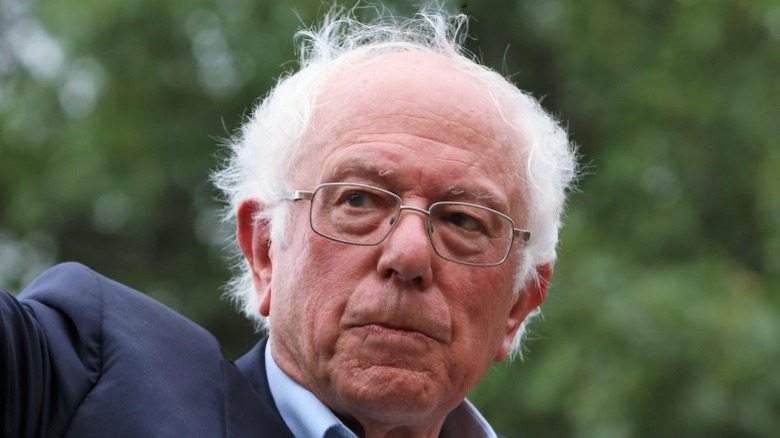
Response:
column 392, row 337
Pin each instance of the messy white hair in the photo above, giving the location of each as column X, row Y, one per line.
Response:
column 262, row 154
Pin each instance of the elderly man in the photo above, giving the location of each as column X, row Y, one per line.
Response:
column 398, row 208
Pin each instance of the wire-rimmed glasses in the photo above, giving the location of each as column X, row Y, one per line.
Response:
column 360, row 214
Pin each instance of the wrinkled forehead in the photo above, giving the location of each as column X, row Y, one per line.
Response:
column 412, row 82
column 417, row 95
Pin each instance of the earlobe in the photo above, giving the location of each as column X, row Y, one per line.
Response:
column 525, row 302
column 255, row 242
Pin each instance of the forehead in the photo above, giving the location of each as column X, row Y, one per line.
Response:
column 416, row 115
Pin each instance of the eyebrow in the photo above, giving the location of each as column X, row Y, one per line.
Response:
column 459, row 192
column 359, row 168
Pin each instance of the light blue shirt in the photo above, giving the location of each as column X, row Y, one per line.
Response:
column 307, row 417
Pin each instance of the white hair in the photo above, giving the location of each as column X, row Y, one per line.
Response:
column 263, row 153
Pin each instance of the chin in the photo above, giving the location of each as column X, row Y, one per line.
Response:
column 391, row 394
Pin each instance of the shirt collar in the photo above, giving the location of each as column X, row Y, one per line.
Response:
column 303, row 412
column 307, row 416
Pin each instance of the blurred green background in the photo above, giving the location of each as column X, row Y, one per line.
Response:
column 663, row 318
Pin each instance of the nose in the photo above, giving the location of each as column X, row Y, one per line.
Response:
column 407, row 252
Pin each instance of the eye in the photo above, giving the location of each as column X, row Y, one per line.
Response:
column 360, row 199
column 463, row 221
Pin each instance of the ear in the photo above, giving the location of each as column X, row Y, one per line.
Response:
column 255, row 242
column 525, row 301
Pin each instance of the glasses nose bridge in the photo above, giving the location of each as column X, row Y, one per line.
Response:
column 422, row 211
column 426, row 213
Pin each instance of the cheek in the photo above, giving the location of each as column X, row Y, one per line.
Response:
column 316, row 278
column 483, row 304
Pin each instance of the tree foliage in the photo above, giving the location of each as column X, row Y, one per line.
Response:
column 663, row 314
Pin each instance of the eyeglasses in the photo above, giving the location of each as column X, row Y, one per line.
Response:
column 360, row 214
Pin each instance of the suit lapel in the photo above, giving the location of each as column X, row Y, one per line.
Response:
column 250, row 410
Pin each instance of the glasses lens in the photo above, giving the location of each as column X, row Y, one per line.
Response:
column 364, row 215
column 469, row 233
column 353, row 213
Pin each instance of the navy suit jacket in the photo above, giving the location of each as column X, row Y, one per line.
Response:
column 84, row 356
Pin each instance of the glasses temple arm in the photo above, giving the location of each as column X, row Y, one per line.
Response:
column 524, row 235
column 298, row 195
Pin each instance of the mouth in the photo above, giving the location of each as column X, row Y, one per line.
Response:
column 389, row 331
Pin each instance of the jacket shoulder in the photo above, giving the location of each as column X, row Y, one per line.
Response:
column 125, row 362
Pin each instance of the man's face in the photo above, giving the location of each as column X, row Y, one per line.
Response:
column 393, row 333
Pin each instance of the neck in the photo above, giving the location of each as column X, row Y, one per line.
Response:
column 368, row 428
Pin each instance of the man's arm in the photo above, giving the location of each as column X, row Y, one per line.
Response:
column 50, row 339
column 25, row 377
